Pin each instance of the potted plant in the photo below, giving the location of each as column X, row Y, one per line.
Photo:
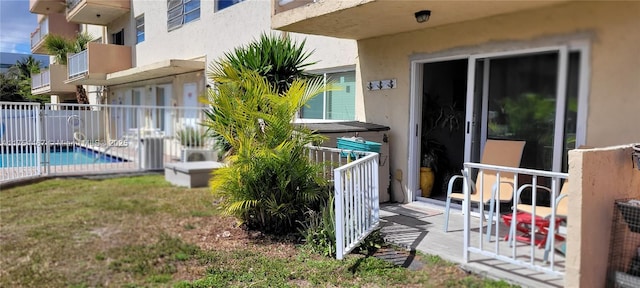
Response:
column 434, row 160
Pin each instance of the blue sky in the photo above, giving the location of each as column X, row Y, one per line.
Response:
column 16, row 25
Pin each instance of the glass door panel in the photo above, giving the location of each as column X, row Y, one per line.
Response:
column 521, row 105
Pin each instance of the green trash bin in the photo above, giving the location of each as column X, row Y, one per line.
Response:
column 357, row 144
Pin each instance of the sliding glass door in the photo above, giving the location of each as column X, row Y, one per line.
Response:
column 538, row 95
column 520, row 96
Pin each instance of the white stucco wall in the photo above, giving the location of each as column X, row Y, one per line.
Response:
column 216, row 33
column 211, row 36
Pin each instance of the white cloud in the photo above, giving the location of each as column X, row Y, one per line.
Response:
column 16, row 25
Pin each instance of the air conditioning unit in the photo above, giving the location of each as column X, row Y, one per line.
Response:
column 195, row 155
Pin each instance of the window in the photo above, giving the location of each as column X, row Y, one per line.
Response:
column 118, row 38
column 221, row 4
column 338, row 104
column 182, row 11
column 140, row 29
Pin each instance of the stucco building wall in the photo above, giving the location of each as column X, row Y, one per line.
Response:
column 608, row 27
column 598, row 178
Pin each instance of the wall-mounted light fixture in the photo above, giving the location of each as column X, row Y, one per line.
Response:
column 423, row 16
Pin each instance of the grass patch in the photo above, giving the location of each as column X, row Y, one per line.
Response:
column 142, row 232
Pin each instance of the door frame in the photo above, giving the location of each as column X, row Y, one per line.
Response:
column 415, row 119
column 415, row 103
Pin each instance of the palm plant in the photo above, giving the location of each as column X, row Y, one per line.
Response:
column 24, row 68
column 277, row 58
column 59, row 47
column 270, row 182
column 21, row 74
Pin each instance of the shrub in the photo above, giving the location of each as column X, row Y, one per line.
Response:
column 318, row 230
column 270, row 181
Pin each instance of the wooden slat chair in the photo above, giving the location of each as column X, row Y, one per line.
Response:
column 496, row 152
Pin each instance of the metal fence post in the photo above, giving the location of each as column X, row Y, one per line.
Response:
column 38, row 131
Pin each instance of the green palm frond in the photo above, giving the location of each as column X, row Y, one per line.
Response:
column 59, row 47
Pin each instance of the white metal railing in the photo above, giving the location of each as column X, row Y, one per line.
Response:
column 357, row 204
column 523, row 254
column 78, row 64
column 19, row 128
column 40, row 33
column 92, row 139
column 329, row 158
column 42, row 79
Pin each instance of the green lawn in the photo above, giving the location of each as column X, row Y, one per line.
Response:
column 143, row 232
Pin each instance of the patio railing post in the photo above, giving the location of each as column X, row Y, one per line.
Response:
column 339, row 226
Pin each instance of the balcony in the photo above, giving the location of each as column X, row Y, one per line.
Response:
column 51, row 81
column 46, row 6
column 98, row 12
column 51, row 24
column 91, row 66
column 364, row 19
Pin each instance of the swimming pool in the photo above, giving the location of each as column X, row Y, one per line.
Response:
column 57, row 156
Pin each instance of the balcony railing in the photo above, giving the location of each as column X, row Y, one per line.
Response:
column 40, row 80
column 78, row 64
column 40, row 33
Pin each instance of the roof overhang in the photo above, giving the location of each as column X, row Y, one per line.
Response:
column 364, row 19
column 160, row 69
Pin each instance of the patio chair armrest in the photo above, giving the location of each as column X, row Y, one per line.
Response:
column 452, row 181
column 523, row 187
column 560, row 198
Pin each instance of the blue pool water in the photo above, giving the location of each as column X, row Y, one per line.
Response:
column 58, row 156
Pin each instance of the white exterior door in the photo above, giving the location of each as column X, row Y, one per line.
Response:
column 190, row 102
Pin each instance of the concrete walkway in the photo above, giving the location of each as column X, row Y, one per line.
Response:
column 419, row 226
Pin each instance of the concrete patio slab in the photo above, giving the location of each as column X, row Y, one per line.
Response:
column 419, row 226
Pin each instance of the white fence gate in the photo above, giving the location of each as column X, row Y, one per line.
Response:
column 356, row 194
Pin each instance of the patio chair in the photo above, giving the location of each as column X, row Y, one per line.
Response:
column 496, row 152
column 543, row 213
